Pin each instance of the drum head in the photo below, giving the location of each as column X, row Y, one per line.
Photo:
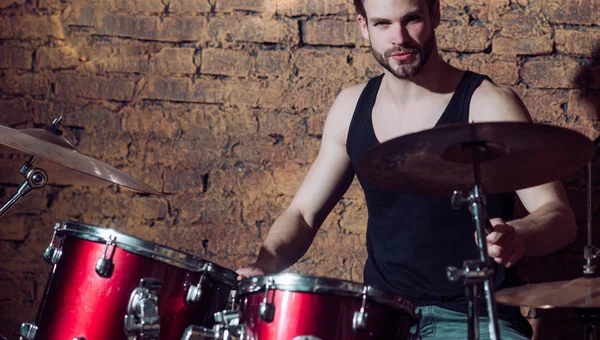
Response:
column 323, row 285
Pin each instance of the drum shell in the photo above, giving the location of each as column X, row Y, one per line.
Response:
column 322, row 316
column 79, row 302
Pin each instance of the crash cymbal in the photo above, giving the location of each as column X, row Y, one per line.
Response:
column 512, row 156
column 578, row 293
column 51, row 147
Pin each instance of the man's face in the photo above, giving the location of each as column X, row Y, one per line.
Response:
column 401, row 34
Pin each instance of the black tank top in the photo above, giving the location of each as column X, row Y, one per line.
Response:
column 411, row 239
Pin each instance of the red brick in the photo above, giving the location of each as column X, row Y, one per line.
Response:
column 116, row 57
column 8, row 3
column 354, row 216
column 142, row 123
column 15, row 57
column 13, row 112
column 584, row 105
column 13, row 228
column 463, row 38
column 278, row 123
column 228, row 6
column 567, row 11
column 309, row 7
column 550, row 73
column 264, row 94
column 311, row 63
column 31, row 27
column 588, row 77
column 136, row 6
column 56, row 58
column 315, row 124
column 545, row 106
column 338, row 32
column 28, row 83
column 522, row 34
column 273, row 64
column 71, row 84
column 288, row 178
column 252, row 29
column 172, row 28
column 580, row 43
column 179, row 180
column 500, row 70
column 185, row 6
column 184, row 90
column 465, row 11
column 226, row 62
column 173, row 61
column 314, row 94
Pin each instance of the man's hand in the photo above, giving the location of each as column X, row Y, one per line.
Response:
column 503, row 243
column 252, row 270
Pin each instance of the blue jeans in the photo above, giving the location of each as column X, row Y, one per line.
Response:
column 439, row 323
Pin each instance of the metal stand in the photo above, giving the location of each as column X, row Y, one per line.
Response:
column 590, row 318
column 477, row 274
column 35, row 178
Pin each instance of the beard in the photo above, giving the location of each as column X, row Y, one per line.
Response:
column 408, row 68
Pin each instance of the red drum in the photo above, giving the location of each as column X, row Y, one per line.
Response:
column 110, row 285
column 296, row 307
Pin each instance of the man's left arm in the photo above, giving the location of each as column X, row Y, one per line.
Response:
column 550, row 224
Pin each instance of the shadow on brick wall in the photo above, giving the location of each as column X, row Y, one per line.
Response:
column 563, row 323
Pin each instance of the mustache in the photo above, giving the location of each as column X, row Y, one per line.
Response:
column 400, row 49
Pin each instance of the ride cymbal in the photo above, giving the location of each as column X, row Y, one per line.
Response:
column 579, row 293
column 511, row 156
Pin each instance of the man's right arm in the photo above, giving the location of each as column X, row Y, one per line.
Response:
column 326, row 182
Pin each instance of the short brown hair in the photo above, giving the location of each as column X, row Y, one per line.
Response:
column 360, row 6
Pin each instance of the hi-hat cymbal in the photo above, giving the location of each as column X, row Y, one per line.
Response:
column 512, row 156
column 579, row 293
column 52, row 147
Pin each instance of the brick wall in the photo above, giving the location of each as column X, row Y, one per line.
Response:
column 220, row 105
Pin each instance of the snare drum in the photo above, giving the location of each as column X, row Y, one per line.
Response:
column 296, row 307
column 109, row 285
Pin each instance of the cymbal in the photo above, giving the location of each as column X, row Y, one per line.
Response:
column 511, row 155
column 579, row 293
column 52, row 147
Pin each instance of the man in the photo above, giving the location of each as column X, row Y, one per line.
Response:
column 411, row 238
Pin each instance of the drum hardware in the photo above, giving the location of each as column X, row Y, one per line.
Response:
column 27, row 331
column 194, row 294
column 229, row 326
column 477, row 273
column 79, row 338
column 52, row 254
column 35, row 178
column 267, row 309
column 142, row 319
column 104, row 265
column 359, row 321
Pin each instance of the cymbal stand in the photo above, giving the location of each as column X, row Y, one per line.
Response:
column 589, row 251
column 477, row 273
column 35, row 178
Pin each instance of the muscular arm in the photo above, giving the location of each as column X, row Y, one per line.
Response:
column 550, row 224
column 327, row 180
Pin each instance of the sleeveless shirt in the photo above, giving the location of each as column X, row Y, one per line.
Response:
column 412, row 239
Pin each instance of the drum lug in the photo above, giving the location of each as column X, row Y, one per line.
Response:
column 27, row 331
column 360, row 319
column 104, row 265
column 194, row 293
column 142, row 319
column 52, row 254
column 266, row 309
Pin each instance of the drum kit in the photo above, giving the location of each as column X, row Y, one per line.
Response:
column 105, row 284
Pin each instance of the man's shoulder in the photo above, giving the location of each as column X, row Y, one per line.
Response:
column 493, row 102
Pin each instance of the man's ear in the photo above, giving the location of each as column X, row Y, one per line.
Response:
column 362, row 22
